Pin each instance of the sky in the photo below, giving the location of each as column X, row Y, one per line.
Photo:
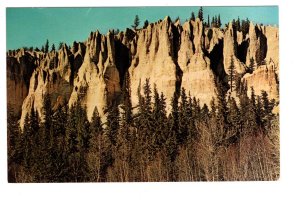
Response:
column 33, row 26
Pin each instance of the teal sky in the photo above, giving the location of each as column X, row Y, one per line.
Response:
column 33, row 26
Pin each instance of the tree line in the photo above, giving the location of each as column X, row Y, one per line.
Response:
column 44, row 48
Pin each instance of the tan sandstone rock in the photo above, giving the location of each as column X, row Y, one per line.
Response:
column 230, row 50
column 263, row 78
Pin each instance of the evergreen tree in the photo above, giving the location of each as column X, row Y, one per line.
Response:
column 251, row 114
column 232, row 73
column 174, row 128
column 13, row 149
column 183, row 118
column 72, row 131
column 200, row 13
column 213, row 22
column 146, row 121
column 192, row 18
column 59, row 120
column 141, row 99
column 159, row 120
column 47, row 46
column 53, row 47
column 136, row 22
column 126, row 95
column 60, row 45
column 43, row 49
column 251, row 66
column 245, row 27
column 267, row 110
column 208, row 22
column 146, row 23
column 238, row 24
column 113, row 122
column 96, row 126
column 259, row 114
column 222, row 110
column 171, row 148
column 219, row 21
column 96, row 149
column 147, row 96
column 204, row 114
column 191, row 116
column 34, row 126
column 234, row 118
column 28, row 143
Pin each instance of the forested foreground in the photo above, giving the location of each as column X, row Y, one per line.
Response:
column 236, row 139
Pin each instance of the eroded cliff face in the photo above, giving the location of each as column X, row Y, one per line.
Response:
column 153, row 57
column 257, row 45
column 197, row 74
column 20, row 66
column 52, row 76
column 171, row 55
column 230, row 50
column 97, row 82
column 264, row 78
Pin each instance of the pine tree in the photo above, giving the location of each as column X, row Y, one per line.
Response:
column 204, row 114
column 219, row 21
column 208, row 22
column 245, row 27
column 222, row 110
column 84, row 132
column 191, row 120
column 232, row 73
column 59, row 120
column 113, row 122
column 267, row 109
column 259, row 114
column 251, row 65
column 71, row 131
column 249, row 113
column 28, row 143
column 200, row 13
column 60, row 45
column 47, row 142
column 192, row 18
column 238, row 24
column 110, row 148
column 159, row 120
column 234, row 118
column 147, row 96
column 136, row 22
column 47, row 46
column 171, row 146
column 53, row 47
column 174, row 128
column 146, row 23
column 13, row 137
column 183, row 118
column 141, row 99
column 146, row 122
column 96, row 150
column 213, row 121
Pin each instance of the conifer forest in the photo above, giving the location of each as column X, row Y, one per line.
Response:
column 230, row 142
